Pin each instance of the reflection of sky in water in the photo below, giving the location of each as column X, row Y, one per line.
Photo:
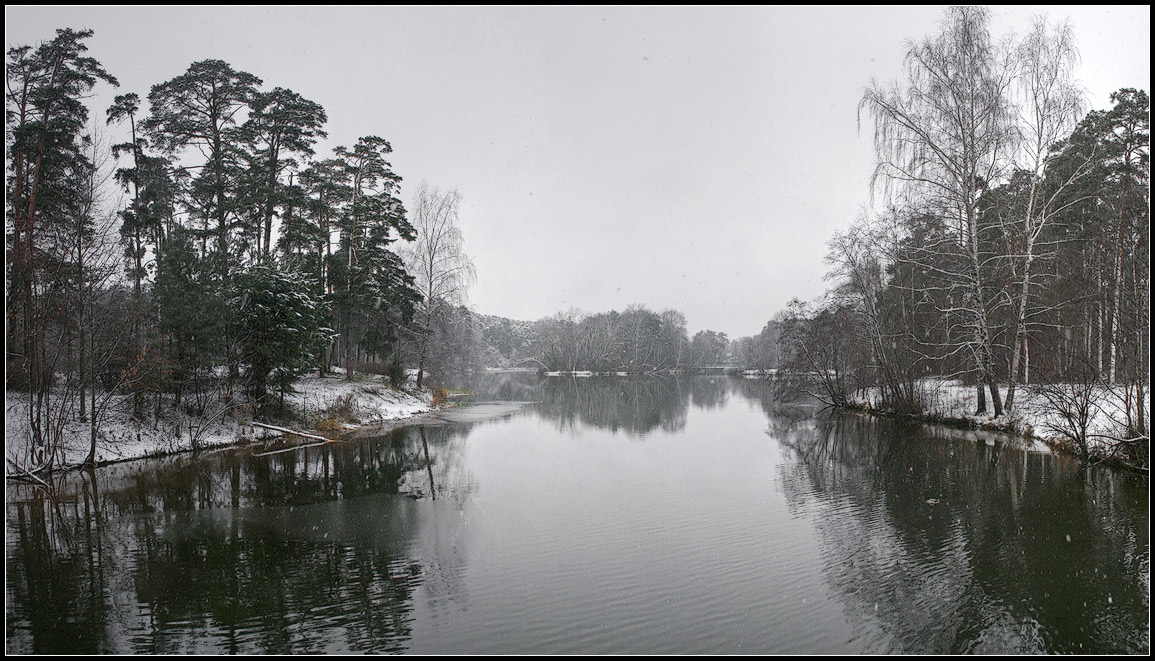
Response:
column 614, row 515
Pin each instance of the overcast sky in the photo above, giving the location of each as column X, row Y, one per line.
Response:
column 688, row 158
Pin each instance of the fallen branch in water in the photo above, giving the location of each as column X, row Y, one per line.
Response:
column 293, row 431
column 295, row 447
column 24, row 470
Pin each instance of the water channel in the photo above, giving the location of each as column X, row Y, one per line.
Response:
column 612, row 515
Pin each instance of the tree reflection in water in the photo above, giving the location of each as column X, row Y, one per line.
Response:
column 937, row 543
column 930, row 540
column 230, row 552
column 636, row 405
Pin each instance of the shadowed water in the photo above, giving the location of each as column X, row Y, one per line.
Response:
column 615, row 515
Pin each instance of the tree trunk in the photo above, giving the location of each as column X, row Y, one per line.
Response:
column 269, row 202
column 1117, row 288
column 1026, row 361
column 1140, row 412
column 1100, row 313
column 995, row 397
column 349, row 285
column 80, row 325
column 91, row 459
column 348, row 344
column 421, row 365
column 137, row 311
column 1020, row 337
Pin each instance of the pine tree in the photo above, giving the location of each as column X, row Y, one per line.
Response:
column 281, row 124
column 46, row 118
column 191, row 311
column 369, row 278
column 200, row 109
column 278, row 323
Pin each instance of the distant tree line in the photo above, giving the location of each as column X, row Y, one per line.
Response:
column 636, row 341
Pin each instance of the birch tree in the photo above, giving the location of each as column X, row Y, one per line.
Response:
column 437, row 260
column 941, row 137
column 1050, row 105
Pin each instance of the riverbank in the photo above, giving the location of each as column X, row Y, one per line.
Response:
column 1053, row 415
column 323, row 405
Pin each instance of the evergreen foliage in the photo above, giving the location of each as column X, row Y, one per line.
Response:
column 278, row 322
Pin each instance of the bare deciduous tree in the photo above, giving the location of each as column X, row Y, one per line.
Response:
column 941, row 139
column 1050, row 105
column 437, row 260
column 861, row 261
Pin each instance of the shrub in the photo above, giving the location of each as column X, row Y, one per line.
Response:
column 395, row 370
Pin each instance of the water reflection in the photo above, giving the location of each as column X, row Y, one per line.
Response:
column 635, row 405
column 903, row 538
column 63, row 565
column 951, row 546
column 231, row 552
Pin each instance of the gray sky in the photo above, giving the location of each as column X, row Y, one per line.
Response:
column 688, row 158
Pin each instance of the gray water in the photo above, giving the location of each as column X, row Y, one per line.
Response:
column 615, row 515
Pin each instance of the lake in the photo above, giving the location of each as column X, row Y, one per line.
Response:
column 611, row 515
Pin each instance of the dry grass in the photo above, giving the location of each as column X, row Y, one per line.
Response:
column 330, row 425
column 343, row 409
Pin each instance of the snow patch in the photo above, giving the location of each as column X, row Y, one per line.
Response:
column 1033, row 417
column 120, row 436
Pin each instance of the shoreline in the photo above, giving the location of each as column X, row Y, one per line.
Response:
column 950, row 401
column 331, row 406
column 325, row 406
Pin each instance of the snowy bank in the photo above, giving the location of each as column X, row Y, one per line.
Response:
column 330, row 405
column 1035, row 416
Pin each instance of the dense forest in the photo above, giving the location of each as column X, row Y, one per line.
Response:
column 207, row 252
column 1014, row 247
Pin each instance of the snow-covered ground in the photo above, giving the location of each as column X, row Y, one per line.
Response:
column 330, row 404
column 1033, row 416
column 372, row 399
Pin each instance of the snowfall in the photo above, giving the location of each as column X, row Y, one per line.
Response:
column 327, row 406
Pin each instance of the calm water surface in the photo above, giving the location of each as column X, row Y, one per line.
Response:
column 615, row 515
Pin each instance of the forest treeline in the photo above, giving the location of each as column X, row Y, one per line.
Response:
column 635, row 341
column 206, row 254
column 1014, row 245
